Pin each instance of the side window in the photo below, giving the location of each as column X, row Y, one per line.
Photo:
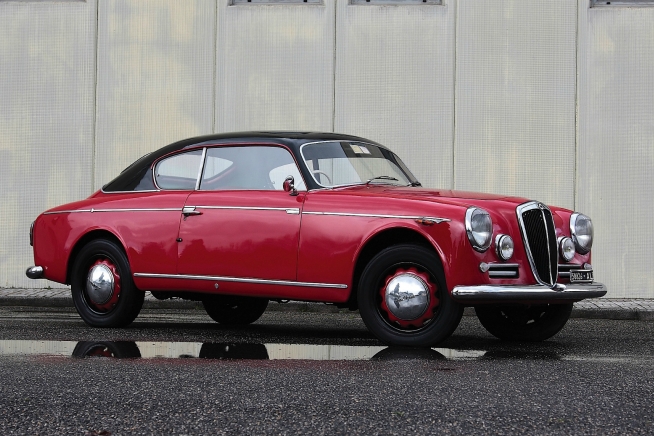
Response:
column 248, row 167
column 179, row 171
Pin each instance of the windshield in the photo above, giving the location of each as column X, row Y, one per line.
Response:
column 348, row 163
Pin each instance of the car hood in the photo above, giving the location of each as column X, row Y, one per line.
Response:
column 443, row 196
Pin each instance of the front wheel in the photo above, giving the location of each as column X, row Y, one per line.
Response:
column 403, row 298
column 524, row 323
column 233, row 310
column 103, row 290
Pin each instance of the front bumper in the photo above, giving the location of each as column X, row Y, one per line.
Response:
column 491, row 293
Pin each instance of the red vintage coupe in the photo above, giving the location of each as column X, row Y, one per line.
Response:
column 236, row 220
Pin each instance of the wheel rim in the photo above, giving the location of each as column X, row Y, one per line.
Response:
column 102, row 287
column 408, row 299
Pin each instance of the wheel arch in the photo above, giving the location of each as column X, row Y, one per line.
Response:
column 382, row 240
column 85, row 239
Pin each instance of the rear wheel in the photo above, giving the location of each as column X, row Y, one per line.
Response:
column 103, row 290
column 403, row 299
column 233, row 310
column 524, row 323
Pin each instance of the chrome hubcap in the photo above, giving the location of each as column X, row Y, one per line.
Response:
column 100, row 284
column 407, row 296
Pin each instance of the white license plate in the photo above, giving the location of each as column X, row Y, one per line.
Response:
column 581, row 276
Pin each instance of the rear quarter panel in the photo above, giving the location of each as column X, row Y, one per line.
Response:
column 148, row 236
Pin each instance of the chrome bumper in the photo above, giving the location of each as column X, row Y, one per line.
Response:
column 34, row 272
column 490, row 293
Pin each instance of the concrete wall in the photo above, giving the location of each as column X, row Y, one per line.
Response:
column 47, row 111
column 551, row 100
column 615, row 155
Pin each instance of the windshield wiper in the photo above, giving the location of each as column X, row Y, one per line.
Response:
column 416, row 183
column 382, row 178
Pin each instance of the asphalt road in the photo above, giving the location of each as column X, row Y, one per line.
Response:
column 318, row 373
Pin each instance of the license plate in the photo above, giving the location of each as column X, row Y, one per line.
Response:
column 581, row 276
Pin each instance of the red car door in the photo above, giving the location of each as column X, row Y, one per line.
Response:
column 240, row 223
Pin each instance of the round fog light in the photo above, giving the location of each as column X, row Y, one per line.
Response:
column 567, row 248
column 504, row 244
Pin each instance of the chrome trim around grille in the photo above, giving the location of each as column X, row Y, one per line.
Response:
column 492, row 293
column 240, row 280
column 520, row 210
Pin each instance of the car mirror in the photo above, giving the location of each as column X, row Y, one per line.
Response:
column 289, row 185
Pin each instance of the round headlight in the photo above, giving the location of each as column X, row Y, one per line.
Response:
column 479, row 228
column 504, row 246
column 566, row 248
column 581, row 229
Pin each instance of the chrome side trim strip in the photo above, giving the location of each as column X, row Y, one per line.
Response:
column 241, row 280
column 371, row 215
column 164, row 209
column 67, row 211
column 145, row 209
column 492, row 293
column 291, row 211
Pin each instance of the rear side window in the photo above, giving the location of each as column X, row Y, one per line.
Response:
column 179, row 172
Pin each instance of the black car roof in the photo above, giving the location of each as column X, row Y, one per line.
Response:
column 130, row 176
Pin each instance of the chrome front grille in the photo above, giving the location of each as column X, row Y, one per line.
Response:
column 539, row 237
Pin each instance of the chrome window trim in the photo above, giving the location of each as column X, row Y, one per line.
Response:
column 519, row 211
column 272, row 145
column 241, row 280
column 170, row 156
column 345, row 184
column 371, row 215
column 129, row 192
column 201, row 170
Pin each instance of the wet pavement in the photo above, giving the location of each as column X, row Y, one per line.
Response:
column 177, row 372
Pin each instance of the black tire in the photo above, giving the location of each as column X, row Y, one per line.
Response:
column 524, row 323
column 118, row 350
column 126, row 300
column 233, row 310
column 441, row 320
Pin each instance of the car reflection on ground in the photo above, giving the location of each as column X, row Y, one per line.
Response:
column 264, row 351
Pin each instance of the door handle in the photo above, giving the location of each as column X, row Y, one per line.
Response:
column 190, row 210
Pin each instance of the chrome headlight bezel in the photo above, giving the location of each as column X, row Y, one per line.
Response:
column 566, row 255
column 583, row 241
column 481, row 244
column 504, row 247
